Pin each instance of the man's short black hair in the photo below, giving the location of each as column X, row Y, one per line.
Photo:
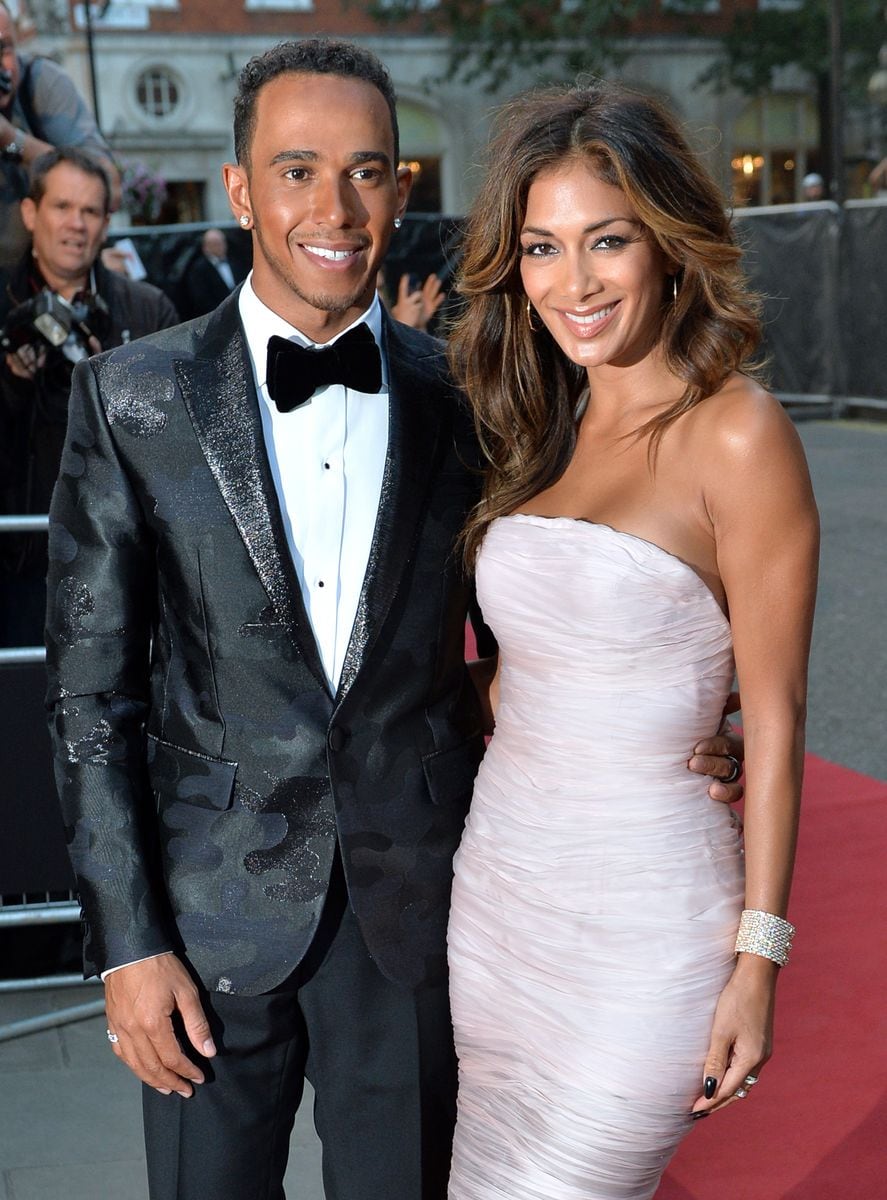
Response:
column 81, row 159
column 314, row 56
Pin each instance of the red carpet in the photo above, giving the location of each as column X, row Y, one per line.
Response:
column 815, row 1127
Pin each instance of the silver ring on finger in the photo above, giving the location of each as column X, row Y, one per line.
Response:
column 750, row 1081
column 741, row 1093
column 112, row 1037
column 735, row 771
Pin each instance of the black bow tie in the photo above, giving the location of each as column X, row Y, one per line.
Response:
column 294, row 373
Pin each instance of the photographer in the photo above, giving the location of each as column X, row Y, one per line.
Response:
column 39, row 108
column 58, row 305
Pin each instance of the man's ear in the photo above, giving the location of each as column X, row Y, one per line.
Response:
column 29, row 213
column 236, row 183
column 404, row 177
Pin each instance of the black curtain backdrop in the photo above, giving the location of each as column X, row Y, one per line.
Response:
column 33, row 857
column 791, row 260
column 820, row 269
column 823, row 273
column 862, row 298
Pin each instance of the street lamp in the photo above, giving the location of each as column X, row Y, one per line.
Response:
column 90, row 52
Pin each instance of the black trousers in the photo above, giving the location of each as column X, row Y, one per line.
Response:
column 379, row 1057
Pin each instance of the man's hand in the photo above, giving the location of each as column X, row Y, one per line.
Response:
column 25, row 362
column 714, row 756
column 114, row 260
column 140, row 1001
column 7, row 131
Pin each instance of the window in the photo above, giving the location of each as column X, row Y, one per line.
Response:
column 775, row 143
column 157, row 92
column 280, row 5
column 690, row 6
column 422, row 147
column 184, row 202
column 419, row 5
column 425, row 194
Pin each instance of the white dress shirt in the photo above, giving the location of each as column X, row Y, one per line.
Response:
column 327, row 460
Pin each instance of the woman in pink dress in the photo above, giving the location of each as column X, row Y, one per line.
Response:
column 647, row 523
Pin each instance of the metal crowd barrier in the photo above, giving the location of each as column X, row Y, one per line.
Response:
column 35, row 908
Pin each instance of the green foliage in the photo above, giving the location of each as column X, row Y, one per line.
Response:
column 553, row 39
column 558, row 39
column 759, row 44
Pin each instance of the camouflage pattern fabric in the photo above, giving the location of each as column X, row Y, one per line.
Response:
column 205, row 771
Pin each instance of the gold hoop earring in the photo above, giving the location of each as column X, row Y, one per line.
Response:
column 533, row 328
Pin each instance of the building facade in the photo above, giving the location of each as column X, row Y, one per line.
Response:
column 165, row 74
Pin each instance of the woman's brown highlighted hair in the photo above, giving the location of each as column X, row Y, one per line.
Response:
column 523, row 390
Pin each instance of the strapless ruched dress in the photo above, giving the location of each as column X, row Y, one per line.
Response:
column 597, row 888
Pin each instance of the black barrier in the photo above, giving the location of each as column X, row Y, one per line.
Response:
column 792, row 260
column 821, row 270
column 425, row 244
column 862, row 297
column 33, row 857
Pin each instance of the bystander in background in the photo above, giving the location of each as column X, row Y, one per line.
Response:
column 39, row 108
column 813, row 187
column 58, row 304
column 209, row 277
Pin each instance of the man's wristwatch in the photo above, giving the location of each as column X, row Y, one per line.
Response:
column 14, row 151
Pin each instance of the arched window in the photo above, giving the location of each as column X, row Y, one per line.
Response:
column 158, row 92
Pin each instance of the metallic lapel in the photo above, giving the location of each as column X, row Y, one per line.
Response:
column 416, row 410
column 220, row 395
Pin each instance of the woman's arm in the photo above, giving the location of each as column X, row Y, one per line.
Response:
column 761, row 506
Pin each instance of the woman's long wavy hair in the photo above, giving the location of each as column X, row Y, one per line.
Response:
column 523, row 389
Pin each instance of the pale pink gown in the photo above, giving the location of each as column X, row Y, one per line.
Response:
column 597, row 888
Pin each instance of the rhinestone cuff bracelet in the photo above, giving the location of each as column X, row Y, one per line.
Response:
column 763, row 933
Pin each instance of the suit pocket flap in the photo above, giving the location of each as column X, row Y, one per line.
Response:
column 190, row 777
column 450, row 773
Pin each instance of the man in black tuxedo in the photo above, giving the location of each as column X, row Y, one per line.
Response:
column 209, row 276
column 265, row 732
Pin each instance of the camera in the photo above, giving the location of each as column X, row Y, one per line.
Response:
column 49, row 319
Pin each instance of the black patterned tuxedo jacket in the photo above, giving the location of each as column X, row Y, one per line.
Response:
column 204, row 768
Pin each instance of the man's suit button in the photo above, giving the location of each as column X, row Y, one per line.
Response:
column 338, row 738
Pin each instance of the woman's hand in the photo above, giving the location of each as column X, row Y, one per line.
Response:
column 742, row 1034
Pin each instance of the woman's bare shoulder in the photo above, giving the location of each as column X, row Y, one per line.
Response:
column 742, row 418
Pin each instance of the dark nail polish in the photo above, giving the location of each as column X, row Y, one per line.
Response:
column 699, row 1115
column 710, row 1087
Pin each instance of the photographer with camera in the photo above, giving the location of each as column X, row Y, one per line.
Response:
column 57, row 306
column 39, row 108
